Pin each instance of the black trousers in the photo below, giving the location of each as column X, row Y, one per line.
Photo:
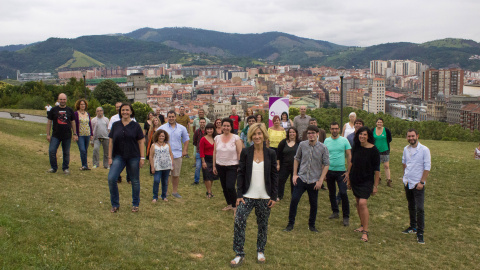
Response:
column 337, row 177
column 298, row 191
column 283, row 174
column 228, row 178
column 416, row 199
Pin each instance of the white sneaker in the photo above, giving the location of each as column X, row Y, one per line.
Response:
column 260, row 257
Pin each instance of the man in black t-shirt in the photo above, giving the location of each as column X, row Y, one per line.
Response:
column 62, row 118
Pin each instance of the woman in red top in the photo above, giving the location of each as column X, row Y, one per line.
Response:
column 206, row 147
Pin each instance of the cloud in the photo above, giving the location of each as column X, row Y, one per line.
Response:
column 348, row 22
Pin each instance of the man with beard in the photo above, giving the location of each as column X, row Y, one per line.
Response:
column 416, row 167
column 338, row 147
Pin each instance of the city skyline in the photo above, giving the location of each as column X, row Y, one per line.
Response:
column 350, row 23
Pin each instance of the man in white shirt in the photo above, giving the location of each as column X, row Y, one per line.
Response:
column 417, row 163
column 178, row 140
column 48, row 108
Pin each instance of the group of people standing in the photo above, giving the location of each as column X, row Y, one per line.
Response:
column 253, row 168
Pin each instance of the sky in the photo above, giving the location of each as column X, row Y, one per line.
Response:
column 347, row 22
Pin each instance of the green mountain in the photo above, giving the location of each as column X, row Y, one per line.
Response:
column 54, row 53
column 272, row 46
column 191, row 46
column 437, row 54
column 283, row 48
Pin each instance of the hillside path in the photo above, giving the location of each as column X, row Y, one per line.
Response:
column 28, row 117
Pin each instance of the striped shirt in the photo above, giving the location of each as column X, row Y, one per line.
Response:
column 311, row 159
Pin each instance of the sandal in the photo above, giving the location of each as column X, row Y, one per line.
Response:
column 114, row 209
column 209, row 195
column 364, row 239
column 237, row 261
column 154, row 200
column 134, row 209
column 358, row 229
column 226, row 208
column 260, row 257
column 165, row 199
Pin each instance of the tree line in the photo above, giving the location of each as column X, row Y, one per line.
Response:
column 429, row 130
column 35, row 95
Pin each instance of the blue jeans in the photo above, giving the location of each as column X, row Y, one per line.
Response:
column 83, row 142
column 198, row 167
column 52, row 152
column 133, row 170
column 298, row 191
column 337, row 177
column 163, row 175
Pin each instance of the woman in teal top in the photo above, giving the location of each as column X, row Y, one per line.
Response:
column 383, row 137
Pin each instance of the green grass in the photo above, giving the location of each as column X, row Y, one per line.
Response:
column 63, row 222
column 81, row 60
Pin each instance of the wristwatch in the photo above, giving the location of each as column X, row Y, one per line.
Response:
column 423, row 183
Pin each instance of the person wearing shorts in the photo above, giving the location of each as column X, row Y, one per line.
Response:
column 178, row 138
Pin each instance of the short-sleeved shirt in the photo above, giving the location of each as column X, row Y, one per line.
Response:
column 116, row 118
column 311, row 159
column 196, row 122
column 125, row 139
column 183, row 120
column 336, row 150
column 226, row 153
column 365, row 161
column 178, row 136
column 301, row 123
column 62, row 122
column 236, row 119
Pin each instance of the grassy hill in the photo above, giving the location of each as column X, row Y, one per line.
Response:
column 63, row 222
column 81, row 60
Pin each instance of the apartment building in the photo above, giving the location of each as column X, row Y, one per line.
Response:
column 449, row 82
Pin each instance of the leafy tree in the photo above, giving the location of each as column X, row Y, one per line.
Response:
column 109, row 92
column 31, row 102
column 292, row 112
column 141, row 111
column 92, row 106
column 109, row 110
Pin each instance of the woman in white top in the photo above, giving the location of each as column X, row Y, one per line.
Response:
column 256, row 188
column 161, row 162
column 349, row 127
column 285, row 122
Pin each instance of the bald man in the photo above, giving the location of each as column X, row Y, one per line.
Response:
column 63, row 123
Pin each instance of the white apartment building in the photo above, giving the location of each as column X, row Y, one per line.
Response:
column 377, row 96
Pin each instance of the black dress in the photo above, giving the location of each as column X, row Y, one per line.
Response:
column 365, row 161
